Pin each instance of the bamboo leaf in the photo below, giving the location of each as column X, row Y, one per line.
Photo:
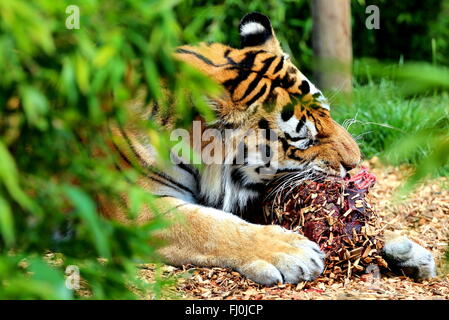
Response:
column 6, row 223
column 85, row 209
column 9, row 177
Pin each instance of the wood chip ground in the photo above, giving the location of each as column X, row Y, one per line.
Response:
column 423, row 216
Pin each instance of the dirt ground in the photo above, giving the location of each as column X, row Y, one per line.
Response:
column 423, row 216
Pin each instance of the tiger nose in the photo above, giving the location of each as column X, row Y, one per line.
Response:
column 348, row 166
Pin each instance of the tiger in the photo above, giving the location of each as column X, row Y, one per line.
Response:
column 262, row 90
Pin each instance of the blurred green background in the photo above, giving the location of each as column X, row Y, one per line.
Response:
column 58, row 88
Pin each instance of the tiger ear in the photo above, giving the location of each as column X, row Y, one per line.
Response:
column 256, row 31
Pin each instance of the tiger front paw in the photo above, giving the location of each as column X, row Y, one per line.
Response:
column 282, row 256
column 410, row 258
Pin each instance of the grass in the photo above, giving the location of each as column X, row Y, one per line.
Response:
column 397, row 128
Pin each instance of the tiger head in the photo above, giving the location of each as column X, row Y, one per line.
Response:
column 265, row 90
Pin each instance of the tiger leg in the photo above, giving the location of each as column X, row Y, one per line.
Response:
column 268, row 255
column 408, row 257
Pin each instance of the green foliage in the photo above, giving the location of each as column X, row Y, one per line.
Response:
column 407, row 31
column 58, row 90
column 398, row 127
